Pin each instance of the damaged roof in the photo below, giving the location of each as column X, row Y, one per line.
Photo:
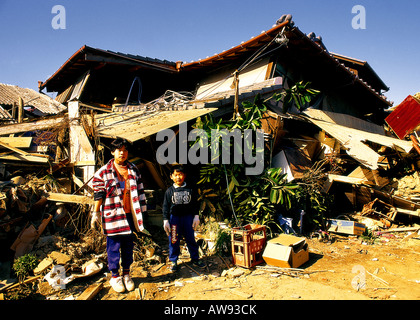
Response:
column 10, row 94
column 87, row 57
column 241, row 50
column 323, row 69
column 319, row 66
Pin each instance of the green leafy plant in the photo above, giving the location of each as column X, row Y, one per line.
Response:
column 223, row 243
column 24, row 265
column 267, row 194
column 369, row 236
column 251, row 116
column 258, row 199
column 251, row 198
column 299, row 95
column 281, row 192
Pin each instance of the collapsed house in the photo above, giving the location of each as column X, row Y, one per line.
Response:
column 111, row 94
column 135, row 97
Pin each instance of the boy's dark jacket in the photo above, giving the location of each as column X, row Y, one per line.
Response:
column 180, row 201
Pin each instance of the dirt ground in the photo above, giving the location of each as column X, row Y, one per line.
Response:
column 344, row 269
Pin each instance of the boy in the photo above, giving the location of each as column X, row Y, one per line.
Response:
column 180, row 217
column 120, row 201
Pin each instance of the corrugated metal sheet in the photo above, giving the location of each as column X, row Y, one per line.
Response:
column 405, row 118
column 9, row 94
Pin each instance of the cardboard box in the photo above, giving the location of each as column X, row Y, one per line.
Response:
column 346, row 226
column 286, row 251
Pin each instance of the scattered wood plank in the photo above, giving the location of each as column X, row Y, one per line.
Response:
column 409, row 212
column 31, row 157
column 343, row 179
column 362, row 195
column 406, row 229
column 91, row 291
column 70, row 198
column 158, row 267
column 15, row 285
column 17, row 142
column 227, row 265
column 7, row 286
column 290, row 270
column 166, row 285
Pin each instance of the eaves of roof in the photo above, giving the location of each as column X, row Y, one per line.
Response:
column 244, row 48
column 87, row 57
column 365, row 65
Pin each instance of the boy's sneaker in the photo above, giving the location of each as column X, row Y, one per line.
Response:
column 199, row 263
column 128, row 282
column 117, row 284
column 174, row 266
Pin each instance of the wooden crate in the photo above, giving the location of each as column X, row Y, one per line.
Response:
column 248, row 243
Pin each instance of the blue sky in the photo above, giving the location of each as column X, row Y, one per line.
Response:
column 186, row 30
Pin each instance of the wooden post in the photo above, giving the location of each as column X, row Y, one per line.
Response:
column 14, row 110
column 236, row 83
column 20, row 110
column 59, row 155
column 81, row 149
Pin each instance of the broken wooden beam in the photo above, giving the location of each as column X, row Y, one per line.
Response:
column 27, row 158
column 15, row 285
column 33, row 125
column 409, row 212
column 70, row 198
column 405, row 229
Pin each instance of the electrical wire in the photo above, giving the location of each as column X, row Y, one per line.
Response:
column 248, row 62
